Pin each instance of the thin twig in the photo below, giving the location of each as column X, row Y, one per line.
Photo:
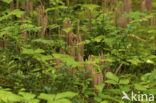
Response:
column 134, row 36
column 117, row 70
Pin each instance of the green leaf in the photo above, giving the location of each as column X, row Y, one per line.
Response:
column 152, row 91
column 7, row 1
column 54, row 26
column 90, row 6
column 49, row 42
column 68, row 60
column 104, row 102
column 30, row 27
column 100, row 87
column 31, row 51
column 112, row 76
column 98, row 99
column 114, row 91
column 61, row 101
column 124, row 81
column 135, row 60
column 140, row 87
column 125, row 88
column 111, row 82
column 27, row 51
column 67, row 30
column 150, row 61
column 65, row 95
column 28, row 97
column 7, row 96
column 55, row 8
column 58, row 98
column 111, row 98
column 17, row 13
column 48, row 97
column 43, row 58
column 39, row 51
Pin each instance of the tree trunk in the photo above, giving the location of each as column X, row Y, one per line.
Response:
column 146, row 5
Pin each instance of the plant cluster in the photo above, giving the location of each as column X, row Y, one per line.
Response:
column 76, row 51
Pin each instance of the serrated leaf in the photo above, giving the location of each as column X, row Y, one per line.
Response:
column 104, row 102
column 65, row 95
column 39, row 51
column 98, row 99
column 54, row 26
column 111, row 82
column 111, row 98
column 67, row 30
column 49, row 42
column 27, row 51
column 68, row 60
column 152, row 91
column 27, row 95
column 112, row 76
column 48, row 97
column 31, row 51
column 125, row 88
column 140, row 87
column 90, row 6
column 7, row 96
column 124, row 81
column 17, row 13
column 7, row 1
column 100, row 87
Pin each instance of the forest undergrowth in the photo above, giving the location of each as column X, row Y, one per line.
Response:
column 77, row 51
